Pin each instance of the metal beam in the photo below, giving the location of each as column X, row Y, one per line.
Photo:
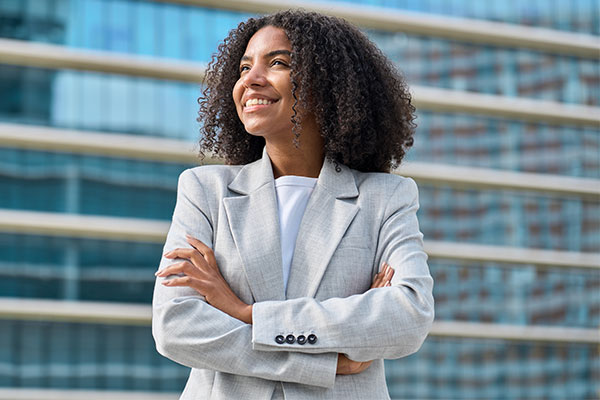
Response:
column 100, row 144
column 141, row 314
column 469, row 177
column 42, row 55
column 26, row 53
column 134, row 229
column 479, row 330
column 182, row 152
column 518, row 108
column 19, row 393
column 83, row 226
column 452, row 28
column 481, row 253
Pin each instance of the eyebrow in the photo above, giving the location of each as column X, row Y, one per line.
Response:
column 269, row 54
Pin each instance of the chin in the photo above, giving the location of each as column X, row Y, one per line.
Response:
column 255, row 132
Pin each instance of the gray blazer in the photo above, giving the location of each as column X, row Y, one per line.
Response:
column 353, row 222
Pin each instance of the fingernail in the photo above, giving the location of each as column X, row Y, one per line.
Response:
column 388, row 283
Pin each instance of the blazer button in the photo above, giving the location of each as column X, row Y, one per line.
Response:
column 301, row 339
column 312, row 338
column 279, row 339
column 290, row 339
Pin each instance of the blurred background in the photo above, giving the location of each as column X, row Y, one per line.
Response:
column 97, row 120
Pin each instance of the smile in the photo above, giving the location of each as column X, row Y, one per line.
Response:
column 255, row 102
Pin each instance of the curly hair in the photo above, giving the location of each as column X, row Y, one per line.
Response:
column 360, row 101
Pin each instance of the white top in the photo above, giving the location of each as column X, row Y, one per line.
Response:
column 293, row 193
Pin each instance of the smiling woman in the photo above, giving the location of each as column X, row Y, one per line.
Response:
column 295, row 273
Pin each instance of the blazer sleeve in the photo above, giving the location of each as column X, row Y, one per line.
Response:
column 389, row 322
column 191, row 332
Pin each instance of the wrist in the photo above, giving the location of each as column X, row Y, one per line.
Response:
column 245, row 314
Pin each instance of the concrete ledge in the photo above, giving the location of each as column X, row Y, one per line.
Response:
column 182, row 152
column 18, row 52
column 140, row 314
column 395, row 20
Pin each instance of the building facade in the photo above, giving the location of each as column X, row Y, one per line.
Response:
column 555, row 287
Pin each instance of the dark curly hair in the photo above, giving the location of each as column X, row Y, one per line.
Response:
column 360, row 101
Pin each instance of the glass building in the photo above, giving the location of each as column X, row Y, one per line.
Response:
column 507, row 158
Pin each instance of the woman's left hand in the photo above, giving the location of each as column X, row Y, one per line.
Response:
column 201, row 272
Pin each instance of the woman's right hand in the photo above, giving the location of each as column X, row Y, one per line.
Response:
column 346, row 366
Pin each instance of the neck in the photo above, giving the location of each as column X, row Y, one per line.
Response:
column 291, row 160
column 303, row 160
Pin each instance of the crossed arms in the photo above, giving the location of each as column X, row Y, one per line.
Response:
column 200, row 322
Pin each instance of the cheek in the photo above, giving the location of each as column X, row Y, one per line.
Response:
column 237, row 93
column 237, row 97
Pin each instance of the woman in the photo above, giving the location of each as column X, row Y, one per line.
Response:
column 294, row 270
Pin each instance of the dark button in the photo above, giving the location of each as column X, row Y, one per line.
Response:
column 279, row 339
column 290, row 339
column 301, row 339
column 312, row 338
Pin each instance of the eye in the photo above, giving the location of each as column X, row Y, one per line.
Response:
column 280, row 62
column 244, row 68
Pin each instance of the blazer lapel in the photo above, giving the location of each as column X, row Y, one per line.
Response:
column 254, row 223
column 325, row 222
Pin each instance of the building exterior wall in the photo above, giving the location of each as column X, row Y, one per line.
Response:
column 122, row 357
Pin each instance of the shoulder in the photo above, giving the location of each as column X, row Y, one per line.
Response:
column 209, row 181
column 208, row 175
column 385, row 185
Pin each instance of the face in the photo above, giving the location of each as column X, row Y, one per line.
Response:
column 263, row 93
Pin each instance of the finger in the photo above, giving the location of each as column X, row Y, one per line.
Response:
column 181, row 281
column 390, row 273
column 184, row 267
column 206, row 251
column 377, row 281
column 384, row 267
column 182, row 252
column 189, row 254
column 377, row 277
column 380, row 278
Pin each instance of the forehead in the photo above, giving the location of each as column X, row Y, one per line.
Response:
column 267, row 39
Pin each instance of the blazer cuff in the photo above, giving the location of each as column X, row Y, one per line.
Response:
column 318, row 369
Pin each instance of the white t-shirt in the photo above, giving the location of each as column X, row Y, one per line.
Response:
column 293, row 193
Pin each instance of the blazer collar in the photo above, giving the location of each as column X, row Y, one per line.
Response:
column 254, row 224
column 339, row 181
column 253, row 176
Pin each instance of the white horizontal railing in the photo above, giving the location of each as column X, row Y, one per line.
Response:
column 169, row 150
column 58, row 57
column 482, row 253
column 83, row 226
column 462, row 29
column 461, row 176
column 43, row 55
column 100, row 144
column 133, row 229
column 138, row 314
column 7, row 393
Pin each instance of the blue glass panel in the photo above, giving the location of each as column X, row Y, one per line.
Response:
column 521, row 295
column 58, row 182
column 38, row 354
column 489, row 369
column 77, row 269
column 509, row 218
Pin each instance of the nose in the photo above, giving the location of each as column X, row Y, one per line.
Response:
column 255, row 77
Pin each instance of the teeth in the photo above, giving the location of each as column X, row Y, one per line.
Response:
column 253, row 102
